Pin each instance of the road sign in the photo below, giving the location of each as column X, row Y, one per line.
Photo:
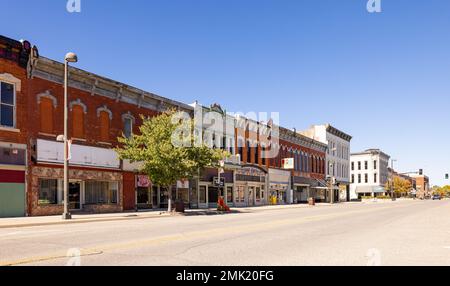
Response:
column 218, row 182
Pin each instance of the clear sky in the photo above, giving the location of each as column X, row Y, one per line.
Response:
column 383, row 78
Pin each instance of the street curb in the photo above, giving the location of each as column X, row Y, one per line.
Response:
column 81, row 221
column 164, row 214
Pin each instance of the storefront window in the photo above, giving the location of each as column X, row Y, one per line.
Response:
column 258, row 194
column 240, row 194
column 48, row 191
column 183, row 195
column 230, row 195
column 97, row 192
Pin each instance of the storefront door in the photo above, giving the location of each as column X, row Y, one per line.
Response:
column 251, row 196
column 213, row 196
column 202, row 203
column 143, row 198
column 75, row 196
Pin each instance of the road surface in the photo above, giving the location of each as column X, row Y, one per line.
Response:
column 400, row 233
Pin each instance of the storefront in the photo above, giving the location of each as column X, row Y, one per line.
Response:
column 89, row 191
column 279, row 186
column 95, row 180
column 12, row 180
column 251, row 186
column 210, row 188
column 150, row 196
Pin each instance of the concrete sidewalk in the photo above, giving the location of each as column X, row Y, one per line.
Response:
column 86, row 218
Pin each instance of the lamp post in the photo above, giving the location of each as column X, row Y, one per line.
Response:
column 392, row 179
column 70, row 58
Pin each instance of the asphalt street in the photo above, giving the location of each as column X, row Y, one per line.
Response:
column 378, row 234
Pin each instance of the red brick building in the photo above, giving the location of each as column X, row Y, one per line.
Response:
column 100, row 110
column 307, row 177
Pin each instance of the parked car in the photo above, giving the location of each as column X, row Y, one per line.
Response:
column 437, row 197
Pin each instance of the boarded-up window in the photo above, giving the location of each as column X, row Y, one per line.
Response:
column 104, row 126
column 77, row 121
column 46, row 114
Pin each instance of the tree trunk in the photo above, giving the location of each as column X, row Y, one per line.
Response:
column 169, row 207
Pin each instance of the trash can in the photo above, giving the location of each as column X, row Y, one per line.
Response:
column 179, row 207
column 311, row 202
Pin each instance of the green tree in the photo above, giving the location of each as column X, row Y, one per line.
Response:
column 160, row 158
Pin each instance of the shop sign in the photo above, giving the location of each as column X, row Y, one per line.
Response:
column 143, row 181
column 288, row 163
column 183, row 184
column 219, row 182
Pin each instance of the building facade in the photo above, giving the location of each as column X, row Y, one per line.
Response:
column 337, row 158
column 369, row 174
column 14, row 154
column 423, row 189
column 100, row 110
column 307, row 175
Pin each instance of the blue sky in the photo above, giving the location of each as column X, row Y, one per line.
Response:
column 383, row 78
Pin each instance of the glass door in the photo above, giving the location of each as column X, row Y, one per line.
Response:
column 202, row 196
column 251, row 194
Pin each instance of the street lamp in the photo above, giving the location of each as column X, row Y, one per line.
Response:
column 392, row 179
column 70, row 58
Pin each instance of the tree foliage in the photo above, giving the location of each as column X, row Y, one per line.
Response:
column 160, row 159
column 401, row 186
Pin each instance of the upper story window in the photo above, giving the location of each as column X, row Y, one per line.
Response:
column 105, row 116
column 366, row 165
column 78, row 110
column 7, row 105
column 47, row 103
column 353, row 166
column 128, row 122
column 374, row 165
column 359, row 165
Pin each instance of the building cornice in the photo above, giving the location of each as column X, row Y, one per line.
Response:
column 93, row 84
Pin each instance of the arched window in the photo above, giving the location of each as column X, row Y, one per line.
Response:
column 78, row 110
column 128, row 123
column 46, row 104
column 105, row 116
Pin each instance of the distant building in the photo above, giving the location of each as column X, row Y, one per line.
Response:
column 369, row 173
column 422, row 185
column 394, row 174
column 337, row 157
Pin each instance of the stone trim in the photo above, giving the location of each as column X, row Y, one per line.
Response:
column 78, row 102
column 47, row 94
column 104, row 108
column 128, row 116
column 9, row 78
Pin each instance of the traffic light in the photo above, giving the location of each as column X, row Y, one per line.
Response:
column 446, row 176
column 420, row 172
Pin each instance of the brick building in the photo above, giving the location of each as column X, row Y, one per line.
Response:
column 14, row 88
column 100, row 110
column 307, row 177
